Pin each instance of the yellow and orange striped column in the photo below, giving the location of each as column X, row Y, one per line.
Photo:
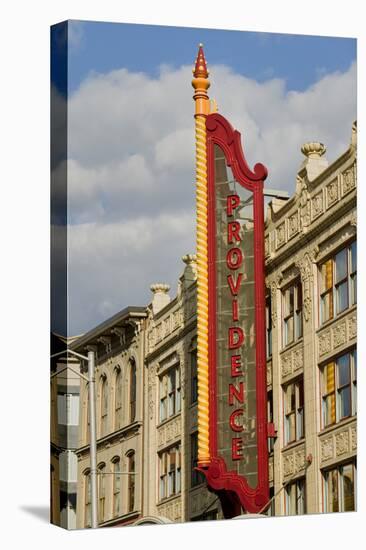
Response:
column 201, row 84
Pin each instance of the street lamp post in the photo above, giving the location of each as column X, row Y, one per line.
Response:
column 93, row 442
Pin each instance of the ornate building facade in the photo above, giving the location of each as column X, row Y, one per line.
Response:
column 146, row 373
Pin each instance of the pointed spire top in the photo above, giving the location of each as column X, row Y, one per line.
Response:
column 200, row 69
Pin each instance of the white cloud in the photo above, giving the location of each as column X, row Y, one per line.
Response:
column 131, row 168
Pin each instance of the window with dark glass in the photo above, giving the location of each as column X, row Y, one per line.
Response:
column 338, row 283
column 132, row 390
column 339, row 387
column 118, row 399
column 194, row 377
column 294, row 411
column 170, row 472
column 169, row 393
column 339, row 484
column 131, row 482
column 292, row 313
column 295, row 497
column 268, row 327
column 101, row 492
column 104, row 405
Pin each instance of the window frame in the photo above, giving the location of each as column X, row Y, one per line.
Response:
column 131, row 483
column 339, row 474
column 116, row 463
column 101, row 492
column 295, row 314
column 326, row 393
column 170, row 393
column 170, row 473
column 118, row 389
column 297, row 412
column 87, row 498
column 333, row 291
column 295, row 502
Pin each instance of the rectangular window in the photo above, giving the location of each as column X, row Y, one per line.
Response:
column 339, row 485
column 170, row 472
column 170, row 393
column 116, row 487
column 194, row 377
column 292, row 313
column 338, row 283
column 295, row 498
column 294, row 411
column 339, row 387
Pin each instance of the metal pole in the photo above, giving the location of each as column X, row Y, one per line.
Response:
column 93, row 443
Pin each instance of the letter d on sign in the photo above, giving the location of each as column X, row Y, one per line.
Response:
column 236, row 337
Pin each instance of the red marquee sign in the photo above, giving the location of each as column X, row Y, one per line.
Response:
column 238, row 467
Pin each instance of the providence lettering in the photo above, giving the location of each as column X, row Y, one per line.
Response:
column 236, row 336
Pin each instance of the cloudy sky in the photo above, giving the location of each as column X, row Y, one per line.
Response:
column 131, row 141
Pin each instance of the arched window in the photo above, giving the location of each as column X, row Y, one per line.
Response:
column 132, row 390
column 101, row 491
column 116, row 463
column 131, row 481
column 87, row 498
column 118, row 399
column 103, row 405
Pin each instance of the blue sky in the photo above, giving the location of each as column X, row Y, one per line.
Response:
column 297, row 59
column 130, row 159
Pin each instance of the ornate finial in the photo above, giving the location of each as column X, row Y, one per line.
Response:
column 200, row 69
column 313, row 149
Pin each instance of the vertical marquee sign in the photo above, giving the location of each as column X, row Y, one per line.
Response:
column 231, row 360
column 238, row 466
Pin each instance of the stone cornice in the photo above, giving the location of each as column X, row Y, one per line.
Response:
column 111, row 437
column 311, row 235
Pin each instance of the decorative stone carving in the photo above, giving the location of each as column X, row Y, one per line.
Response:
column 274, row 303
column 293, row 224
column 151, row 382
column 304, row 264
column 326, row 449
column 304, row 206
column 270, row 470
column 280, row 235
column 288, row 465
column 349, row 180
column 317, row 205
column 325, row 344
column 298, row 359
column 299, row 460
column 286, row 364
column 353, row 438
column 342, row 443
column 266, row 246
column 339, row 334
column 332, row 192
column 352, row 327
column 269, row 373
